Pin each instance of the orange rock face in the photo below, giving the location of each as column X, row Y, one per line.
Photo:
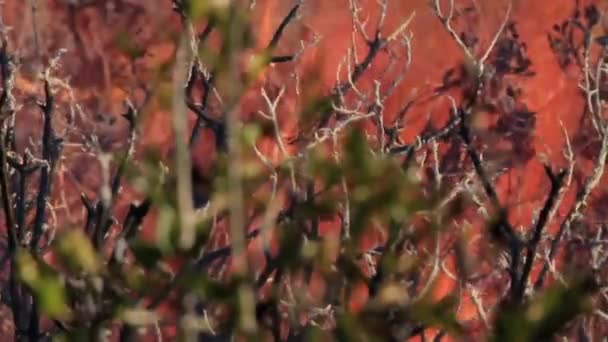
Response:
column 120, row 49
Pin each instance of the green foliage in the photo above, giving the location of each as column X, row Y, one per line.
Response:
column 125, row 43
column 147, row 254
column 439, row 314
column 544, row 315
column 46, row 284
column 75, row 251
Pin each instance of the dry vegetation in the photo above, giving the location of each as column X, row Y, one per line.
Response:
column 303, row 170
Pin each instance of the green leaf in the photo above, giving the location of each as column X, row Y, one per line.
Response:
column 249, row 134
column 146, row 254
column 440, row 314
column 167, row 229
column 125, row 43
column 545, row 315
column 349, row 329
column 138, row 317
column 76, row 251
column 46, row 284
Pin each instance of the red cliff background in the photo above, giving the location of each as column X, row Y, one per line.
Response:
column 116, row 49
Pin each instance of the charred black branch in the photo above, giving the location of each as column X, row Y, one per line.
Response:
column 51, row 148
column 7, row 69
column 99, row 214
column 557, row 181
column 374, row 47
column 25, row 167
column 281, row 29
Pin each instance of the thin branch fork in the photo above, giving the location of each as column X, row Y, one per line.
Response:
column 51, row 146
column 131, row 116
column 446, row 20
column 23, row 305
column 502, row 227
column 208, row 82
column 24, row 166
column 98, row 213
column 202, row 119
column 451, row 126
column 101, row 211
column 455, row 121
column 375, row 45
column 557, row 182
column 575, row 211
column 133, row 220
column 595, row 109
column 7, row 108
column 291, row 16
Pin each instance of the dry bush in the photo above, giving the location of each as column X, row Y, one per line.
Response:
column 218, row 169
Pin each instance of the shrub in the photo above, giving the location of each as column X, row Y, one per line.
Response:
column 286, row 211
